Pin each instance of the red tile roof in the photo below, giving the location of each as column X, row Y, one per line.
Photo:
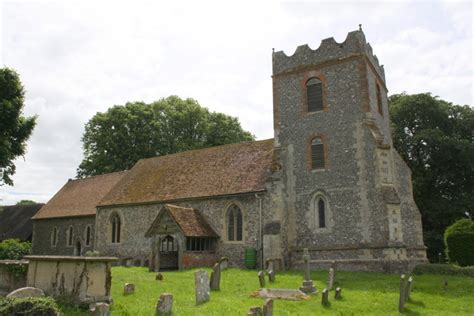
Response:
column 190, row 220
column 221, row 170
column 79, row 197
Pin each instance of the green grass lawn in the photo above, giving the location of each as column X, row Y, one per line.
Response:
column 363, row 293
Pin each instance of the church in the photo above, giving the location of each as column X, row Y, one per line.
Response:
column 330, row 180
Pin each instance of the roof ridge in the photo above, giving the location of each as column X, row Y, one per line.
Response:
column 97, row 175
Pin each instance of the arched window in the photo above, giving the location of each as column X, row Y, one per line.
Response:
column 321, row 213
column 234, row 223
column 70, row 235
column 379, row 99
column 314, row 94
column 54, row 237
column 317, row 154
column 116, row 228
column 88, row 235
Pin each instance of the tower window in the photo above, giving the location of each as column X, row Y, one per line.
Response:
column 116, row 228
column 234, row 223
column 321, row 213
column 54, row 237
column 88, row 235
column 70, row 233
column 317, row 154
column 379, row 99
column 314, row 95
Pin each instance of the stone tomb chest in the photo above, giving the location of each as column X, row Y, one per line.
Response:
column 181, row 238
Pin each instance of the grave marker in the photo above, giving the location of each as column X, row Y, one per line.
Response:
column 99, row 309
column 338, row 294
column 325, row 297
column 164, row 305
column 307, row 286
column 261, row 279
column 255, row 311
column 128, row 288
column 331, row 279
column 216, row 277
column 271, row 276
column 401, row 301
column 408, row 289
column 268, row 307
column 201, row 281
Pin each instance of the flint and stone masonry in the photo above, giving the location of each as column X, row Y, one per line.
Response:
column 370, row 220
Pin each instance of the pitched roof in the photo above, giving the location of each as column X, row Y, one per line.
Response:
column 190, row 220
column 79, row 197
column 15, row 221
column 221, row 170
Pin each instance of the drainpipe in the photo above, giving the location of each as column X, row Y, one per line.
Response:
column 260, row 230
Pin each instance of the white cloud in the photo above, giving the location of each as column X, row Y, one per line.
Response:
column 78, row 58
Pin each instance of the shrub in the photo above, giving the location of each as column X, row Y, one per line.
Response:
column 459, row 241
column 449, row 269
column 14, row 249
column 92, row 253
column 37, row 306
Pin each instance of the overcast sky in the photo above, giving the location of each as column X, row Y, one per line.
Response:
column 79, row 58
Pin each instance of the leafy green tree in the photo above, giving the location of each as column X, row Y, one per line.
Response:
column 25, row 202
column 436, row 139
column 459, row 241
column 14, row 249
column 15, row 129
column 117, row 139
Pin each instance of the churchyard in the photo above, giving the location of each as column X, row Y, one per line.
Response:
column 363, row 293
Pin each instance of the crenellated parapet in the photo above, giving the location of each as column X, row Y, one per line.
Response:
column 329, row 50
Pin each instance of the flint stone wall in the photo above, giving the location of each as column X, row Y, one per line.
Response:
column 8, row 280
column 79, row 280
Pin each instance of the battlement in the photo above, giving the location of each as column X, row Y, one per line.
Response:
column 329, row 50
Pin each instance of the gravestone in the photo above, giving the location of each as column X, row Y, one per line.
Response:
column 99, row 309
column 261, row 279
column 325, row 297
column 333, row 265
column 268, row 307
column 201, row 282
column 401, row 301
column 164, row 304
column 270, row 265
column 26, row 292
column 159, row 277
column 255, row 311
column 408, row 289
column 224, row 263
column 271, row 276
column 331, row 279
column 128, row 288
column 338, row 294
column 307, row 286
column 216, row 277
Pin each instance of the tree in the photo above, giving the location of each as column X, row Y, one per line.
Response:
column 25, row 202
column 459, row 241
column 117, row 139
column 15, row 129
column 436, row 140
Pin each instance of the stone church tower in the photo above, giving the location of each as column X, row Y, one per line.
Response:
column 346, row 192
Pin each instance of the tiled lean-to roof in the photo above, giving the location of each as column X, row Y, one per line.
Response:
column 221, row 170
column 79, row 197
column 190, row 220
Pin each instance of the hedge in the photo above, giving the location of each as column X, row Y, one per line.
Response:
column 459, row 241
column 448, row 269
column 37, row 306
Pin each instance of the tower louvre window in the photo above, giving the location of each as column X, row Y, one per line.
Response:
column 317, row 154
column 314, row 94
column 379, row 99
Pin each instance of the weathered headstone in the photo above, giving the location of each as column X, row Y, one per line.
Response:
column 255, row 311
column 333, row 265
column 338, row 294
column 216, row 277
column 331, row 279
column 164, row 305
column 261, row 279
column 159, row 277
column 325, row 297
column 128, row 288
column 307, row 286
column 271, row 276
column 99, row 309
column 270, row 265
column 26, row 292
column 201, row 281
column 401, row 301
column 408, row 289
column 224, row 263
column 268, row 307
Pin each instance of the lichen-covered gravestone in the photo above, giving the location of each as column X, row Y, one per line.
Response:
column 408, row 289
column 99, row 309
column 401, row 301
column 268, row 307
column 216, row 277
column 307, row 286
column 201, row 281
column 224, row 263
column 271, row 276
column 164, row 305
column 261, row 279
column 128, row 288
column 330, row 279
column 255, row 311
column 338, row 294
